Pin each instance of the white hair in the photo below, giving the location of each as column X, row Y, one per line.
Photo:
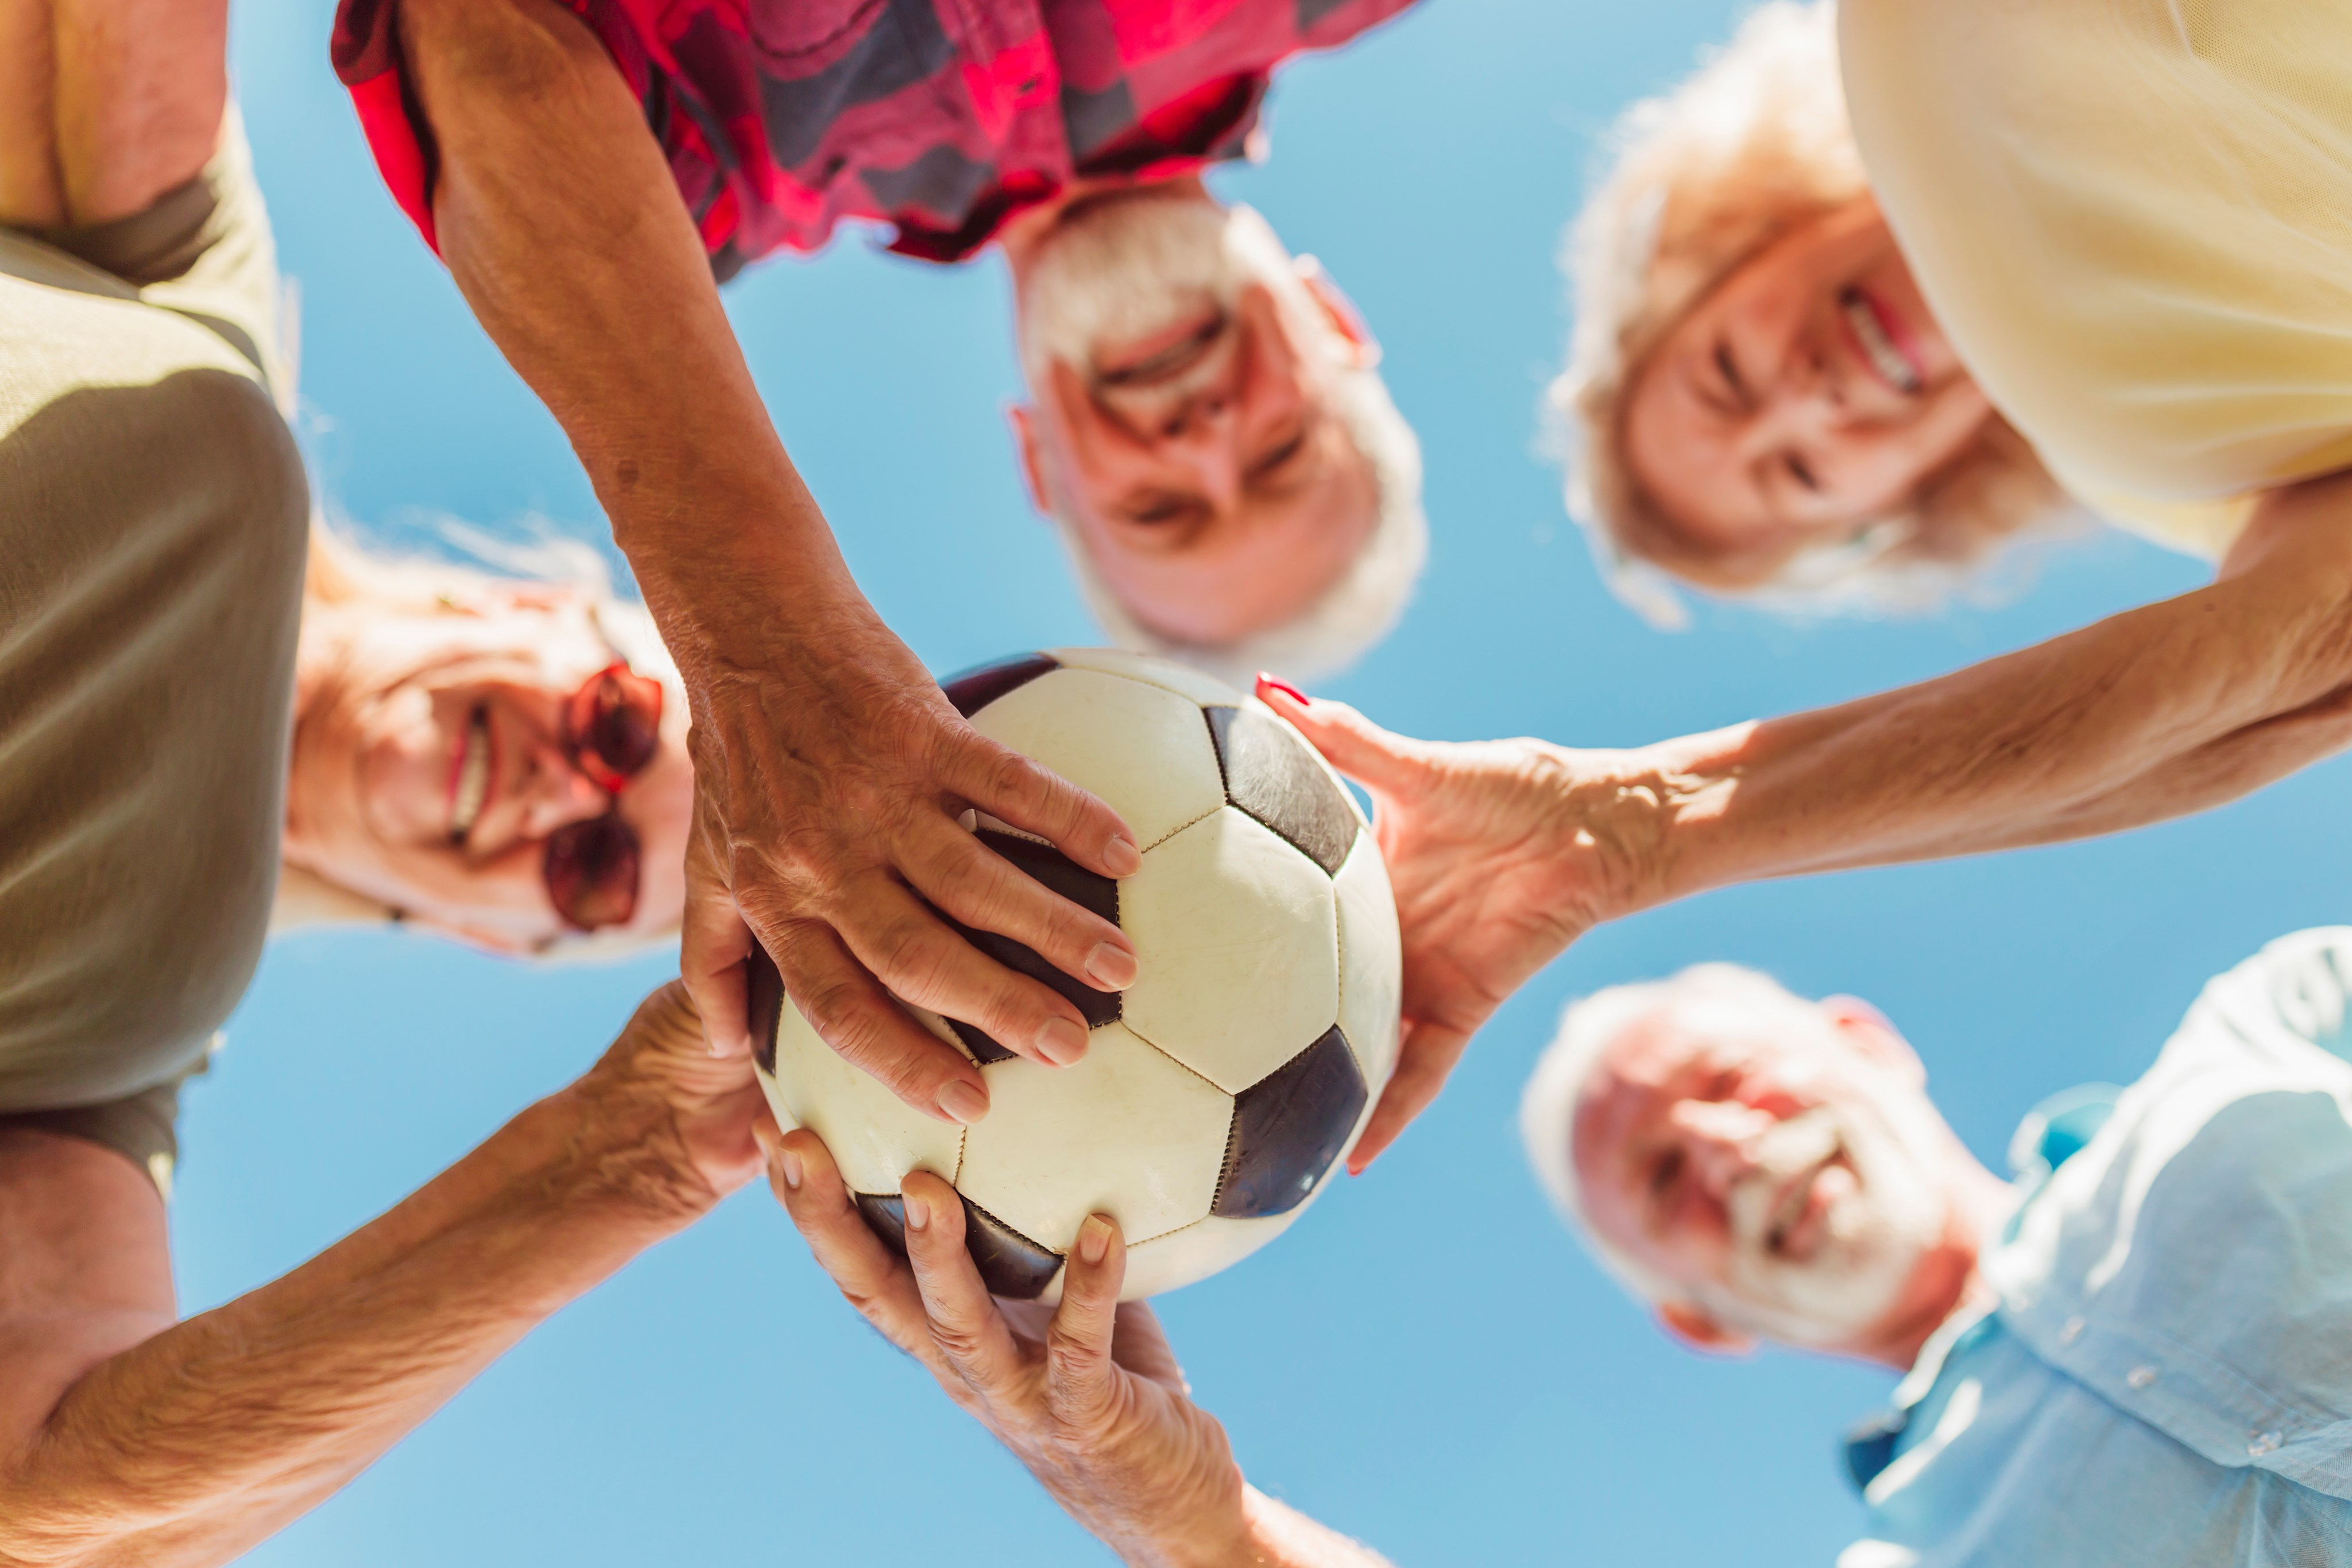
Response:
column 1706, row 998
column 1369, row 599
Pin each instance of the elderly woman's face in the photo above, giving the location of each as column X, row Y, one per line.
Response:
column 433, row 760
column 1807, row 396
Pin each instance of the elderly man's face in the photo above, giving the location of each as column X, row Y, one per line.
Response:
column 1185, row 412
column 430, row 767
column 1789, row 1180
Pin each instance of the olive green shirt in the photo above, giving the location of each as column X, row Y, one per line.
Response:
column 153, row 525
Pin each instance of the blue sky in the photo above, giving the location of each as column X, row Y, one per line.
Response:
column 1426, row 1362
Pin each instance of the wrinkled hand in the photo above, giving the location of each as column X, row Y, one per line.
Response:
column 1089, row 1397
column 690, row 1117
column 828, row 780
column 1501, row 853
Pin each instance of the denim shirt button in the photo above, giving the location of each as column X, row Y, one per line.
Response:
column 2263, row 1443
column 2071, row 1329
column 2140, row 1377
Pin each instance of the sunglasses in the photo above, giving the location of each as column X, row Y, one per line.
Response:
column 612, row 727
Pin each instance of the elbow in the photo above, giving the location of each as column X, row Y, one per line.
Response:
column 520, row 52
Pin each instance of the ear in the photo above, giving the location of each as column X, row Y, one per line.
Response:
column 1029, row 446
column 1868, row 1031
column 1695, row 1328
column 1340, row 311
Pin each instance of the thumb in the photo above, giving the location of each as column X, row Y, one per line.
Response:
column 1381, row 762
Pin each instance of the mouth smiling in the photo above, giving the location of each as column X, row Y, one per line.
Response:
column 469, row 783
column 1874, row 336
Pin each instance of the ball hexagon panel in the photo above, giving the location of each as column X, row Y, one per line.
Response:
column 1289, row 1128
column 876, row 1139
column 1123, row 1130
column 1201, row 690
column 1194, row 1252
column 1272, row 774
column 1237, row 938
column 1370, row 967
column 1125, row 741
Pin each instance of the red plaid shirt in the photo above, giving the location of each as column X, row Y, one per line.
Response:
column 941, row 118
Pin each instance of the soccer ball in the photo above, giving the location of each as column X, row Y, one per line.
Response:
column 1221, row 1091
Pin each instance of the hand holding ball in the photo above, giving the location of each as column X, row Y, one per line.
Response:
column 1221, row 1089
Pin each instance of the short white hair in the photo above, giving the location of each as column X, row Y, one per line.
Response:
column 1702, row 998
column 1351, row 616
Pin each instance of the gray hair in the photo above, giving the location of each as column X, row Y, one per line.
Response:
column 1370, row 598
column 1725, row 995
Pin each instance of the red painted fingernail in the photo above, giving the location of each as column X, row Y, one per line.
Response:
column 1286, row 689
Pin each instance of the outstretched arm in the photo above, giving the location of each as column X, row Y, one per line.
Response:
column 829, row 769
column 124, row 1438
column 1089, row 1397
column 1502, row 853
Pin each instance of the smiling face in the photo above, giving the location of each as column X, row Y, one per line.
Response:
column 1787, row 1177
column 1807, row 396
column 1184, row 371
column 431, row 765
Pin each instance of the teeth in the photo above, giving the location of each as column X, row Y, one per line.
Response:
column 473, row 778
column 1885, row 357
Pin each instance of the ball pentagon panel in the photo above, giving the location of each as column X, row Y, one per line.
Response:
column 1236, row 934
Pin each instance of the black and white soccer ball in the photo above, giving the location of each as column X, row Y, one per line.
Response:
column 1222, row 1090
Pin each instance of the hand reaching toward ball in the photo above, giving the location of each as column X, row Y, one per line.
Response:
column 1500, row 852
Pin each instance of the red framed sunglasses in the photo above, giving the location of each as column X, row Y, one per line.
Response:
column 611, row 728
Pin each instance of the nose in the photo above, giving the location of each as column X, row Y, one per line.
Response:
column 1718, row 1140
column 1205, row 437
column 557, row 794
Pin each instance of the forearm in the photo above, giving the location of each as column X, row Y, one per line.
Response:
column 189, row 1448
column 2118, row 724
column 1260, row 1533
column 558, row 215
column 106, row 105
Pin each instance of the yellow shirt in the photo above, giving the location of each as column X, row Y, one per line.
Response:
column 2134, row 220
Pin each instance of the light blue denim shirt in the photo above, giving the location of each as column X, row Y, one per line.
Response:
column 2168, row 1377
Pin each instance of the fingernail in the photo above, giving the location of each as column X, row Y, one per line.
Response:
column 1285, row 688
column 918, row 1212
column 1061, row 1041
column 1110, row 966
column 964, row 1099
column 1094, row 1239
column 789, row 1164
column 1122, row 857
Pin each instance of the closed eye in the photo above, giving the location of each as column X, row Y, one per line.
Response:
column 1802, row 473
column 1274, row 461
column 1729, row 369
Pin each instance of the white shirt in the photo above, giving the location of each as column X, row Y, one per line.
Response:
column 2168, row 1377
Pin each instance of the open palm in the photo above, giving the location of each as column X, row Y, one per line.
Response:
column 1501, row 853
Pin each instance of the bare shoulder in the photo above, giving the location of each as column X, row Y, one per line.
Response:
column 2306, row 524
column 85, row 1269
